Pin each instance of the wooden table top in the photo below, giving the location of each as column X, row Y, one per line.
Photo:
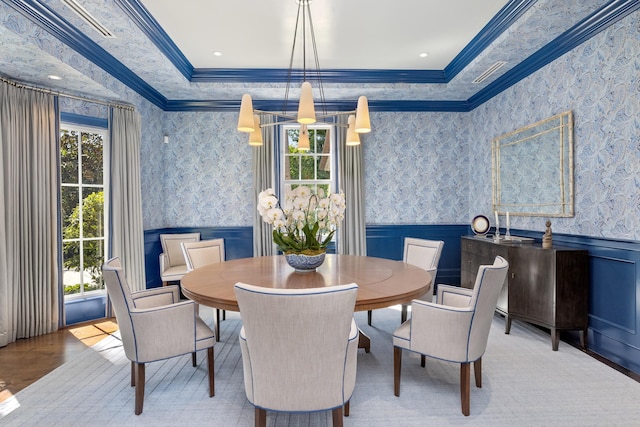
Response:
column 381, row 282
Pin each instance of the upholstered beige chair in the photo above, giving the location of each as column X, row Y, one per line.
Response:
column 299, row 348
column 154, row 325
column 201, row 253
column 456, row 329
column 172, row 263
column 424, row 254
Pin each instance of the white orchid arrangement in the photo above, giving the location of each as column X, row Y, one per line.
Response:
column 306, row 222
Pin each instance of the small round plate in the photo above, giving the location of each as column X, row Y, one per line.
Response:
column 480, row 224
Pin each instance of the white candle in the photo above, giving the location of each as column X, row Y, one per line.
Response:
column 497, row 222
column 507, row 220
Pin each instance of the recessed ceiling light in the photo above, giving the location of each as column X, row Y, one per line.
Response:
column 424, row 55
column 216, row 53
column 54, row 77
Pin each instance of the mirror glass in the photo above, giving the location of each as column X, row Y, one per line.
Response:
column 532, row 169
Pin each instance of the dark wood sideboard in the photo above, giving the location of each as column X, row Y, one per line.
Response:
column 545, row 287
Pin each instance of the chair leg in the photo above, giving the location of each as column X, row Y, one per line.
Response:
column 477, row 370
column 369, row 316
column 261, row 417
column 346, row 409
column 212, row 385
column 423, row 360
column 217, row 325
column 133, row 374
column 224, row 314
column 193, row 359
column 139, row 387
column 465, row 388
column 397, row 365
column 337, row 417
column 403, row 313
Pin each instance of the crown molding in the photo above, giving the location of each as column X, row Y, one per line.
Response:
column 276, row 105
column 280, row 75
column 509, row 14
column 150, row 27
column 60, row 28
column 598, row 21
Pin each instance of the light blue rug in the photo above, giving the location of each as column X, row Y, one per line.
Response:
column 525, row 383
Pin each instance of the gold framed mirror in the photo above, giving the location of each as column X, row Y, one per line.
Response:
column 532, row 169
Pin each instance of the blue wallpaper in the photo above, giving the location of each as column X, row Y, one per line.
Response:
column 599, row 81
column 206, row 172
column 416, row 168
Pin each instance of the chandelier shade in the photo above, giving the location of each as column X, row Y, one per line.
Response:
column 352, row 136
column 363, row 123
column 303, row 139
column 246, row 121
column 306, row 114
column 255, row 137
column 306, row 110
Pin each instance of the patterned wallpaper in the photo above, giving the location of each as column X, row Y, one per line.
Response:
column 600, row 82
column 206, row 172
column 416, row 168
column 420, row 168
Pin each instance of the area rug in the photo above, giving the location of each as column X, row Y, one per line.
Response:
column 525, row 383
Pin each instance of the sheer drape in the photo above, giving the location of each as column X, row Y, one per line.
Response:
column 352, row 239
column 263, row 178
column 127, row 233
column 28, row 221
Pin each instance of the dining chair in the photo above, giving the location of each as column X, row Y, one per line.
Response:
column 299, row 348
column 455, row 329
column 155, row 325
column 420, row 253
column 201, row 253
column 172, row 263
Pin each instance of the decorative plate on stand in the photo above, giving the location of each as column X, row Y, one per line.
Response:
column 480, row 225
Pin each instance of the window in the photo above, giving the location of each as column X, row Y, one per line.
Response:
column 312, row 168
column 83, row 206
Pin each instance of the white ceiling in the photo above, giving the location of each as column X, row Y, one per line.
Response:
column 350, row 34
column 357, row 38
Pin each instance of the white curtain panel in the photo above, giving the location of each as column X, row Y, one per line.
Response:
column 29, row 277
column 263, row 178
column 352, row 234
column 127, row 234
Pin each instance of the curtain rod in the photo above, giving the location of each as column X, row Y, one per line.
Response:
column 66, row 95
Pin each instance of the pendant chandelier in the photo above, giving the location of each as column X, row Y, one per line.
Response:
column 358, row 120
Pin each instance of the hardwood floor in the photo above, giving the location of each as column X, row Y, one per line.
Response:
column 27, row 360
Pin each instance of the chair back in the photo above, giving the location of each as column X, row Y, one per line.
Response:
column 204, row 252
column 172, row 249
column 122, row 302
column 484, row 300
column 422, row 253
column 296, row 346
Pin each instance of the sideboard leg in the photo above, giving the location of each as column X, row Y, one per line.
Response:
column 555, row 339
column 583, row 338
column 507, row 324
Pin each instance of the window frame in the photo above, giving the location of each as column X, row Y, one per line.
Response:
column 332, row 183
column 79, row 128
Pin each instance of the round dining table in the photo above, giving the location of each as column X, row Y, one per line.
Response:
column 381, row 282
